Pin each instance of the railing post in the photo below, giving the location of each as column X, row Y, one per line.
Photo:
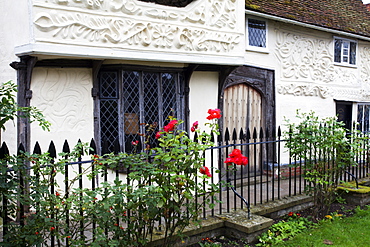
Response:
column 52, row 155
column 66, row 150
column 4, row 152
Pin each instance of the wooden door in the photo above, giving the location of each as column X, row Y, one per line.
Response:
column 243, row 110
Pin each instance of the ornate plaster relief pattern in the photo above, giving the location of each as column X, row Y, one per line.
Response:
column 305, row 90
column 304, row 58
column 365, row 65
column 205, row 26
column 63, row 96
column 348, row 94
column 346, row 76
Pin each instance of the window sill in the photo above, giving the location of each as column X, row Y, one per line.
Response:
column 257, row 49
column 346, row 65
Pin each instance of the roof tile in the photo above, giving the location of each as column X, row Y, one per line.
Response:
column 345, row 15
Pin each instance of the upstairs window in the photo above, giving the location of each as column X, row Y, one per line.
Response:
column 257, row 33
column 129, row 99
column 345, row 51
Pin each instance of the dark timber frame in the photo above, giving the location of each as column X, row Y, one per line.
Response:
column 24, row 75
column 262, row 80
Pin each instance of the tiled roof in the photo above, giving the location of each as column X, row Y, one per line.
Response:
column 344, row 15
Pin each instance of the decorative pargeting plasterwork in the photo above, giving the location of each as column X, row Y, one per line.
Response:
column 206, row 26
column 350, row 94
column 365, row 65
column 346, row 76
column 304, row 58
column 212, row 13
column 305, row 90
column 63, row 96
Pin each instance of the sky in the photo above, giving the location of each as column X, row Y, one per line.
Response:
column 366, row 1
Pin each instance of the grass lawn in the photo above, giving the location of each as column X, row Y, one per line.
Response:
column 346, row 232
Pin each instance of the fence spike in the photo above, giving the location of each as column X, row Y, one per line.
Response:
column 52, row 151
column 195, row 139
column 21, row 149
column 104, row 146
column 212, row 137
column 241, row 134
column 4, row 151
column 267, row 133
column 93, row 147
column 81, row 151
column 37, row 148
column 273, row 133
column 248, row 135
column 66, row 148
column 261, row 133
column 234, row 135
column 227, row 135
column 279, row 132
column 254, row 133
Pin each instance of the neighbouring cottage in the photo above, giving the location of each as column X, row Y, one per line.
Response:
column 97, row 69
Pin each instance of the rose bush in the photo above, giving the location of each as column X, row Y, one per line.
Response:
column 159, row 195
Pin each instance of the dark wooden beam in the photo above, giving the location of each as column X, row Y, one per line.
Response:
column 24, row 74
column 65, row 63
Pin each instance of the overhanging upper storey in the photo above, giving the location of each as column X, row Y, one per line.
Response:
column 205, row 31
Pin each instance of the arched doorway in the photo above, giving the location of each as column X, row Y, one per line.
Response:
column 248, row 103
column 242, row 108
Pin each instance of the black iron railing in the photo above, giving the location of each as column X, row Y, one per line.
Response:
column 270, row 175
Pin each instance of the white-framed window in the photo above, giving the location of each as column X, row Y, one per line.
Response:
column 256, row 34
column 345, row 51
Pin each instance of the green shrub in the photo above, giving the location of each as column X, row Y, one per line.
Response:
column 326, row 149
column 285, row 229
column 160, row 195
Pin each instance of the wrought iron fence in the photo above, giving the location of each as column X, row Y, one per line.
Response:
column 269, row 175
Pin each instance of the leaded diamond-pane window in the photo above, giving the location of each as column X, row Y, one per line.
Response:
column 256, row 33
column 131, row 100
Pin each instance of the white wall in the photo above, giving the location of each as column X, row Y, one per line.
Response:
column 14, row 30
column 306, row 77
column 203, row 32
column 203, row 96
column 64, row 96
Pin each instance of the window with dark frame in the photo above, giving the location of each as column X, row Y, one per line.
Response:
column 256, row 33
column 133, row 101
column 363, row 119
column 345, row 51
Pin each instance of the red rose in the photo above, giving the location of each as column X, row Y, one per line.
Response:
column 237, row 158
column 204, row 170
column 170, row 126
column 216, row 113
column 195, row 126
column 158, row 135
